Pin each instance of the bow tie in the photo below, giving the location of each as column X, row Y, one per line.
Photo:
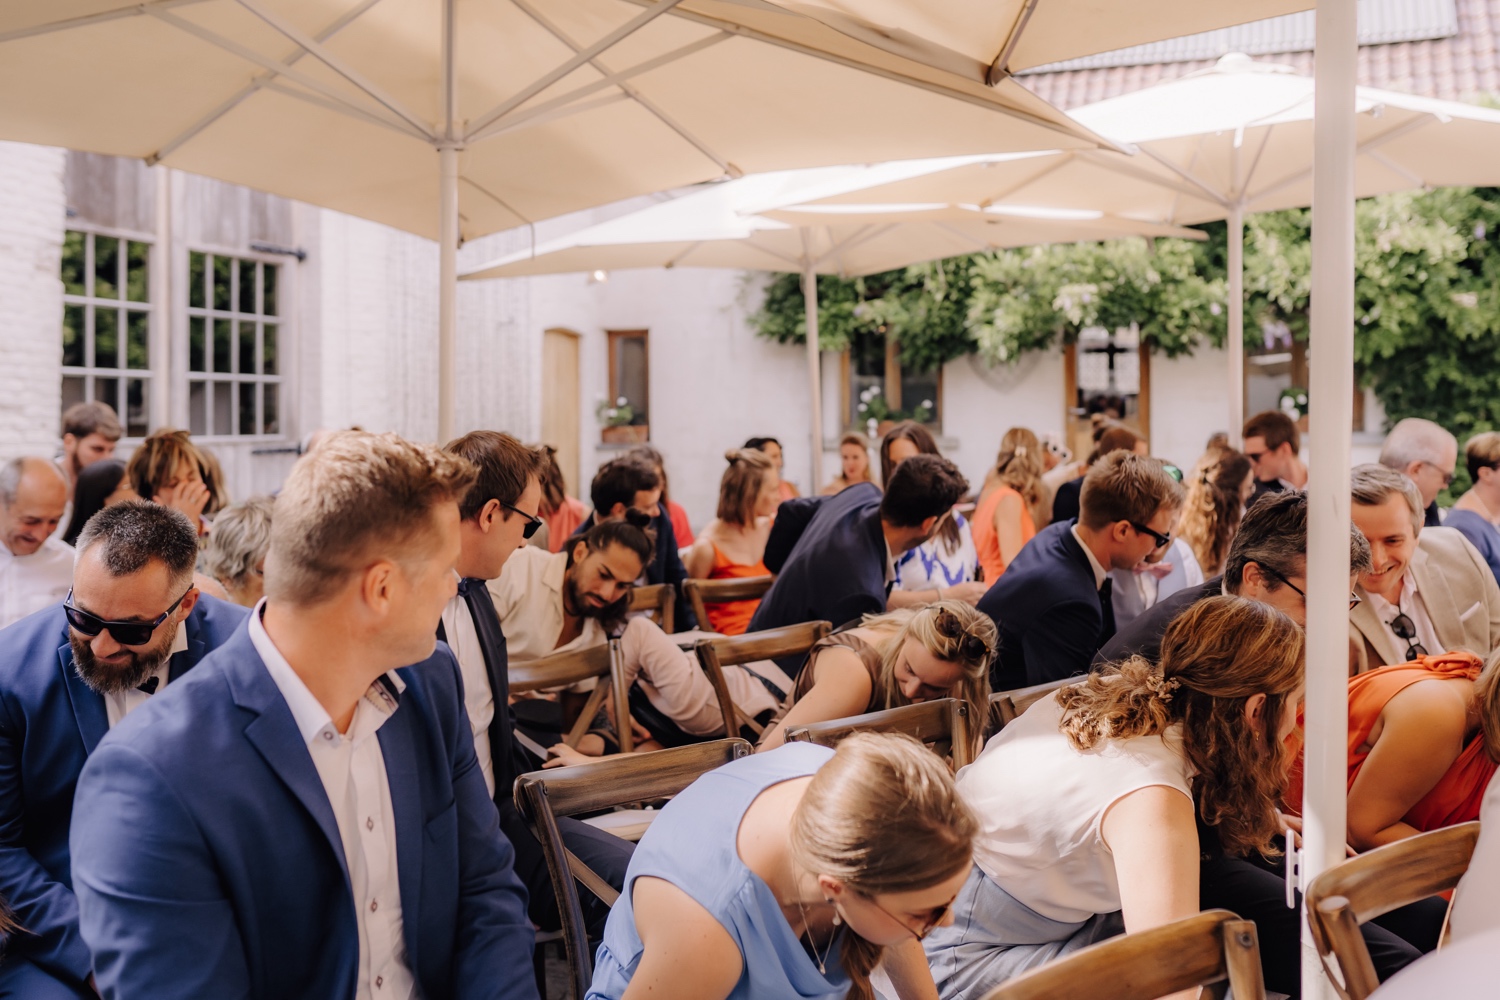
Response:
column 150, row 685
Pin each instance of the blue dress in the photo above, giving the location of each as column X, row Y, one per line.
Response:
column 692, row 845
column 1480, row 533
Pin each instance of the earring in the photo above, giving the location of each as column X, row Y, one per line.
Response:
column 837, row 920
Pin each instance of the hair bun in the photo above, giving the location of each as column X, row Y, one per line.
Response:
column 637, row 518
column 733, row 455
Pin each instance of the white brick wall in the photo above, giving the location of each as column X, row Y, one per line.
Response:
column 32, row 217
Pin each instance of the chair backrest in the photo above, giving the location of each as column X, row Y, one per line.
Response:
column 1377, row 882
column 728, row 651
column 701, row 593
column 544, row 796
column 1208, row 948
column 659, row 600
column 561, row 670
column 942, row 724
column 1007, row 706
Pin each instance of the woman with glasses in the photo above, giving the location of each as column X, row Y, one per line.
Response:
column 792, row 874
column 942, row 650
column 1090, row 803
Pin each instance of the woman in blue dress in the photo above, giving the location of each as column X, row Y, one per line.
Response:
column 791, row 874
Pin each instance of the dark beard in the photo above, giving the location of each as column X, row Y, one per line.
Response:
column 576, row 604
column 112, row 679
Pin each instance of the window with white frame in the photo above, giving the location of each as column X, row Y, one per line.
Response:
column 234, row 338
column 106, row 337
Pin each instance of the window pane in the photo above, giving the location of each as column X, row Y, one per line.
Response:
column 866, row 379
column 247, row 407
column 630, row 376
column 223, row 408
column 137, row 278
column 107, row 390
column 106, row 338
column 223, row 268
column 271, row 272
column 268, row 348
column 74, row 263
column 919, row 396
column 72, row 390
column 138, row 339
column 198, row 408
column 135, row 408
column 196, row 277
column 271, row 423
column 222, row 346
column 73, row 335
column 247, row 286
column 196, row 356
column 247, row 348
column 106, row 267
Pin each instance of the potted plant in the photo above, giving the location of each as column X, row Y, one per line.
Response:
column 617, row 427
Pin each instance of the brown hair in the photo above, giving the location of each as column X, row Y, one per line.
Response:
column 1115, row 437
column 863, row 444
column 926, row 444
column 1214, row 657
column 1275, row 429
column 741, row 484
column 212, row 474
column 1482, row 452
column 1487, row 696
column 1212, row 510
column 155, row 462
column 353, row 495
column 654, row 458
column 83, row 419
column 505, row 465
column 881, row 816
column 1124, row 486
column 550, row 475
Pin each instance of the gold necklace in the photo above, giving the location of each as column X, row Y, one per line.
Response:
column 811, row 943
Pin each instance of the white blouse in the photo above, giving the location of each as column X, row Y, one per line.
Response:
column 1041, row 803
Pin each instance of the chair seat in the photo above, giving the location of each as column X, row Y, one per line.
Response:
column 627, row 824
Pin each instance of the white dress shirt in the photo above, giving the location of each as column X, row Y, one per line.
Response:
column 1414, row 608
column 30, row 583
column 119, row 704
column 479, row 700
column 528, row 597
column 1100, row 573
column 352, row 769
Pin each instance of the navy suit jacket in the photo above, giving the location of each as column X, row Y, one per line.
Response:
column 1046, row 606
column 50, row 721
column 836, row 569
column 208, row 861
column 1142, row 637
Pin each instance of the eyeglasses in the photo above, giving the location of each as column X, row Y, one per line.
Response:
column 1447, row 476
column 933, row 919
column 1353, row 597
column 125, row 633
column 1162, row 541
column 970, row 646
column 1406, row 631
column 532, row 521
column 1256, row 456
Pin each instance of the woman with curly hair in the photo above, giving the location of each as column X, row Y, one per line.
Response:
column 1217, row 490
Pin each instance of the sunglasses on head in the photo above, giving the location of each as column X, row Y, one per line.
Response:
column 532, row 521
column 970, row 646
column 125, row 633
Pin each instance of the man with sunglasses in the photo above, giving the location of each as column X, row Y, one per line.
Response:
column 132, row 625
column 1273, row 444
column 1427, row 455
column 1428, row 589
column 1053, row 606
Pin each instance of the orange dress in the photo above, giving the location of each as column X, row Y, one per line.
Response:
column 733, row 617
column 563, row 521
column 1458, row 794
column 986, row 540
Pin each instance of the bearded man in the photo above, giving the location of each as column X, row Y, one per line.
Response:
column 132, row 624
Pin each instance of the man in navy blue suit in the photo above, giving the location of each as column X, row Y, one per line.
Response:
column 303, row 817
column 835, row 556
column 1053, row 603
column 137, row 626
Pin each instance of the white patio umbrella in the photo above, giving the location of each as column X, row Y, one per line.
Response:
column 740, row 225
column 454, row 122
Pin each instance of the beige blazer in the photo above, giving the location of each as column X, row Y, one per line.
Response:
column 1459, row 592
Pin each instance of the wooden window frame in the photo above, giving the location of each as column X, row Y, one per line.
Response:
column 615, row 336
column 892, row 379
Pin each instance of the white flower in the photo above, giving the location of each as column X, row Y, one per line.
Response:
column 864, row 408
column 874, row 390
column 926, row 404
column 621, row 401
column 1213, row 307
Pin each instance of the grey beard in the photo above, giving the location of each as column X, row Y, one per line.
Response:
column 113, row 680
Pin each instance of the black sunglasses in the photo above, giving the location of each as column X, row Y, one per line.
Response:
column 1353, row 597
column 970, row 646
column 1406, row 631
column 1162, row 541
column 125, row 633
column 532, row 521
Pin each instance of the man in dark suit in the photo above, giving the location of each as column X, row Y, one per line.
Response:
column 1267, row 562
column 1052, row 605
column 840, row 550
column 498, row 515
column 303, row 817
column 62, row 687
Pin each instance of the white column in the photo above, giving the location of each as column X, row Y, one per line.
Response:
column 814, row 376
column 448, row 288
column 163, row 382
column 1331, row 361
column 1234, row 340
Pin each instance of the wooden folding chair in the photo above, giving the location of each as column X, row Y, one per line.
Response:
column 1007, row 706
column 544, row 796
column 659, row 600
column 716, row 654
column 702, row 593
column 1214, row 947
column 1379, row 881
column 942, row 724
column 559, row 670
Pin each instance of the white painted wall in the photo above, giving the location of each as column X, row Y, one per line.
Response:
column 1188, row 404
column 980, row 405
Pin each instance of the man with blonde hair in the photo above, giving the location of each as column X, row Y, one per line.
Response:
column 304, row 817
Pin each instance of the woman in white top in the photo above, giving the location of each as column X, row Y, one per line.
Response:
column 1089, row 802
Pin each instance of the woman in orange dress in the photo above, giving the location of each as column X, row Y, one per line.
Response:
column 562, row 513
column 1423, row 740
column 733, row 545
column 1005, row 520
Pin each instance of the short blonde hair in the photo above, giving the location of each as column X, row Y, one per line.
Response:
column 356, row 494
column 1482, row 452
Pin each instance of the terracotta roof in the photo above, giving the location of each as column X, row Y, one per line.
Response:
column 1461, row 67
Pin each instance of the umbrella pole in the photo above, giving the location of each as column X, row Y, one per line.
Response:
column 1234, row 341
column 814, row 374
column 448, row 232
column 1332, row 406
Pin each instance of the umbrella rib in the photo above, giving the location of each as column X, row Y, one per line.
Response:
column 1118, row 163
column 1215, row 196
column 1415, row 180
column 134, row 10
column 624, row 31
column 1265, row 140
column 172, row 145
column 1049, row 168
column 499, row 201
column 1000, row 68
column 551, row 115
column 507, row 122
column 318, row 52
column 337, row 107
column 1374, row 142
column 673, row 262
column 631, row 91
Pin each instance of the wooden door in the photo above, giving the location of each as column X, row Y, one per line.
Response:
column 560, row 401
column 1114, row 378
